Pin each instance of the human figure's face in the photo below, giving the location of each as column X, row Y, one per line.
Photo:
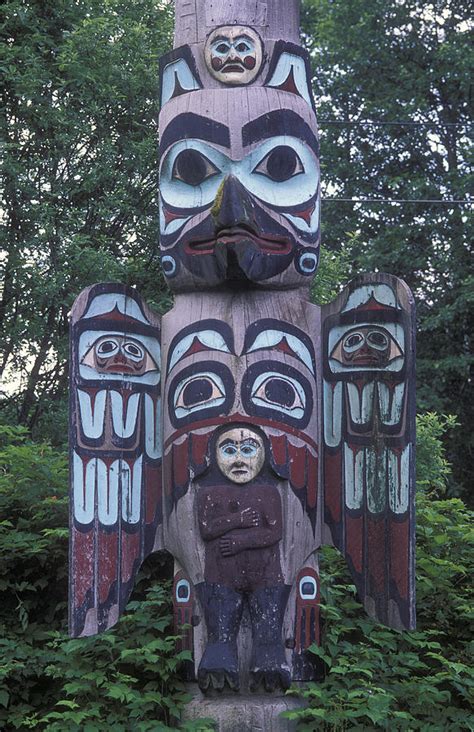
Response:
column 240, row 454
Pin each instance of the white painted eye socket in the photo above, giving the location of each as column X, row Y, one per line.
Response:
column 308, row 588
column 107, row 348
column 280, row 392
column 183, row 591
column 182, row 189
column 133, row 351
column 221, row 48
column 263, row 172
column 229, row 451
column 377, row 340
column 282, row 171
column 243, row 46
column 193, row 168
column 199, row 391
column 280, row 164
column 353, row 342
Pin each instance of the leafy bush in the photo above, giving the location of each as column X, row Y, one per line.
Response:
column 381, row 679
column 123, row 678
column 128, row 678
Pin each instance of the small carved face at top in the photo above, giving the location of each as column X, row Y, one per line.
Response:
column 234, row 54
column 115, row 354
column 366, row 347
column 240, row 454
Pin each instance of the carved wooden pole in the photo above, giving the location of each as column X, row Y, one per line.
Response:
column 284, row 425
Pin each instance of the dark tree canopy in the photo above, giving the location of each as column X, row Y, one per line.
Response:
column 405, row 68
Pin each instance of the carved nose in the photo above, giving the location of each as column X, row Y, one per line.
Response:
column 233, row 206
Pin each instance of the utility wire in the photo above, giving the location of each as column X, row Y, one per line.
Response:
column 369, row 123
column 431, row 201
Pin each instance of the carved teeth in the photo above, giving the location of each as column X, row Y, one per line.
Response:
column 375, row 475
column 124, row 418
column 83, row 489
column 131, row 489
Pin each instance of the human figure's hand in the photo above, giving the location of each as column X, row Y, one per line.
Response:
column 228, row 546
column 249, row 518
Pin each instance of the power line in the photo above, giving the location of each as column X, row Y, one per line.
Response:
column 431, row 201
column 369, row 123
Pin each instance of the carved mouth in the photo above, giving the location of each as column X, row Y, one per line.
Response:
column 232, row 68
column 268, row 244
column 366, row 359
column 118, row 368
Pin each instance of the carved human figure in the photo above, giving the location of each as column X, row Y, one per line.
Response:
column 241, row 523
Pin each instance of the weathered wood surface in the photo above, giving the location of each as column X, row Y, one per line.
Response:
column 273, row 19
column 238, row 364
column 368, row 360
column 284, row 426
column 115, row 449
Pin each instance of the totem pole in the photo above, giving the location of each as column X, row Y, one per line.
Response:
column 249, row 427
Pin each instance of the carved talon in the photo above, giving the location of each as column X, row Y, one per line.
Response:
column 219, row 666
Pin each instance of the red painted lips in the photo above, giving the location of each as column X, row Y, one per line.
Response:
column 268, row 244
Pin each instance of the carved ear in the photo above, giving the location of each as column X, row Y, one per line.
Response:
column 290, row 71
column 178, row 74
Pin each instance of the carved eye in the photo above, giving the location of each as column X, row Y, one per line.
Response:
column 183, row 591
column 243, row 47
column 377, row 340
column 248, row 450
column 133, row 350
column 229, row 451
column 201, row 390
column 222, row 48
column 280, row 392
column 353, row 342
column 107, row 348
column 281, row 164
column 308, row 588
column 193, row 168
column 198, row 392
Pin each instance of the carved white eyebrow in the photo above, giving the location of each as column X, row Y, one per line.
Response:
column 209, row 338
column 271, row 338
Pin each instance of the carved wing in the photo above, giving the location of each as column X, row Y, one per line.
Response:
column 368, row 441
column 115, row 438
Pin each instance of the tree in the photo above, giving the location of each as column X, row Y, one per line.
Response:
column 79, row 116
column 404, row 66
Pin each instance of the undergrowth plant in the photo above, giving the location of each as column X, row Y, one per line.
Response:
column 128, row 678
column 377, row 678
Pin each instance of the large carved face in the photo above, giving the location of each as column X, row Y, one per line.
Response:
column 239, row 186
column 234, row 383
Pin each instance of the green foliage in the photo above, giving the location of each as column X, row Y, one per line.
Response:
column 125, row 677
column 128, row 678
column 407, row 65
column 79, row 118
column 381, row 679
